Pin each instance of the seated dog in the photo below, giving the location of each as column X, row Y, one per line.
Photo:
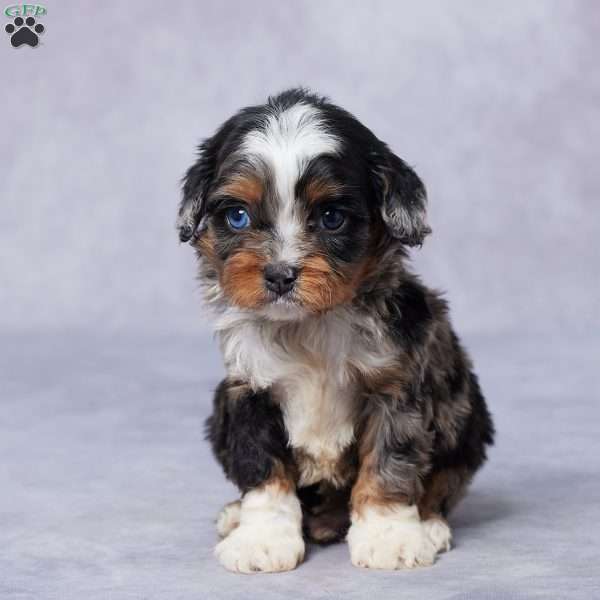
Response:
column 350, row 409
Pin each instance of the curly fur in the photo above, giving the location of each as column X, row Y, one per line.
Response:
column 351, row 391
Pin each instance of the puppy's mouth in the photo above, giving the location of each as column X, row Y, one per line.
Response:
column 287, row 299
column 282, row 307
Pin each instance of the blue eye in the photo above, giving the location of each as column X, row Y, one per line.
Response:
column 238, row 218
column 332, row 219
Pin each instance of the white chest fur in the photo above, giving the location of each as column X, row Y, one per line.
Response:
column 311, row 367
column 319, row 413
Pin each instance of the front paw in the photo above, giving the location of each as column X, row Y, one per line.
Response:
column 390, row 539
column 250, row 549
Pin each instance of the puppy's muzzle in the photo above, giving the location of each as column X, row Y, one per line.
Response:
column 280, row 278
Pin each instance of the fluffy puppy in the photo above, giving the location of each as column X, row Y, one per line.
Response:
column 350, row 408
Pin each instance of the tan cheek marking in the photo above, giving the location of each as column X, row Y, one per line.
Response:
column 320, row 287
column 242, row 279
column 315, row 286
column 249, row 189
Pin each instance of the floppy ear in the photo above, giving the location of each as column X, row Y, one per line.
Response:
column 403, row 199
column 196, row 184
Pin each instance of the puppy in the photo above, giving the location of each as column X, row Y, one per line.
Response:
column 350, row 409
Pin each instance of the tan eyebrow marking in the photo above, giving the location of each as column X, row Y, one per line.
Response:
column 319, row 188
column 249, row 189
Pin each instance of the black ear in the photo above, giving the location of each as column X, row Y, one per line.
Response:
column 403, row 199
column 196, row 184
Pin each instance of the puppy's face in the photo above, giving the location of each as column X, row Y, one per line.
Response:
column 289, row 202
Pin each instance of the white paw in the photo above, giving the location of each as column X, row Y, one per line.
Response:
column 268, row 536
column 439, row 533
column 391, row 538
column 251, row 549
column 229, row 518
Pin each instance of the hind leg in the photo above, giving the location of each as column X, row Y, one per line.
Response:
column 229, row 518
column 327, row 527
column 326, row 514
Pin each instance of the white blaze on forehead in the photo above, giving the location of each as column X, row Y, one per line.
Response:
column 286, row 144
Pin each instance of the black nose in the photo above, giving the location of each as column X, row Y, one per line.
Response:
column 280, row 277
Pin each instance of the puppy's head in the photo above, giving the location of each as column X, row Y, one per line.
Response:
column 290, row 203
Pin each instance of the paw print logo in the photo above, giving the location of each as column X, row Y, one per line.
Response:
column 24, row 32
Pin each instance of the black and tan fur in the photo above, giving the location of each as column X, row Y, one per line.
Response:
column 420, row 422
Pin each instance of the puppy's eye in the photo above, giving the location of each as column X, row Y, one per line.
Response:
column 332, row 219
column 238, row 218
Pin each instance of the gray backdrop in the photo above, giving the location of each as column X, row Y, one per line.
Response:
column 106, row 361
column 496, row 105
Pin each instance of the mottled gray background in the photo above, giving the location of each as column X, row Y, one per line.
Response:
column 497, row 105
column 106, row 363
